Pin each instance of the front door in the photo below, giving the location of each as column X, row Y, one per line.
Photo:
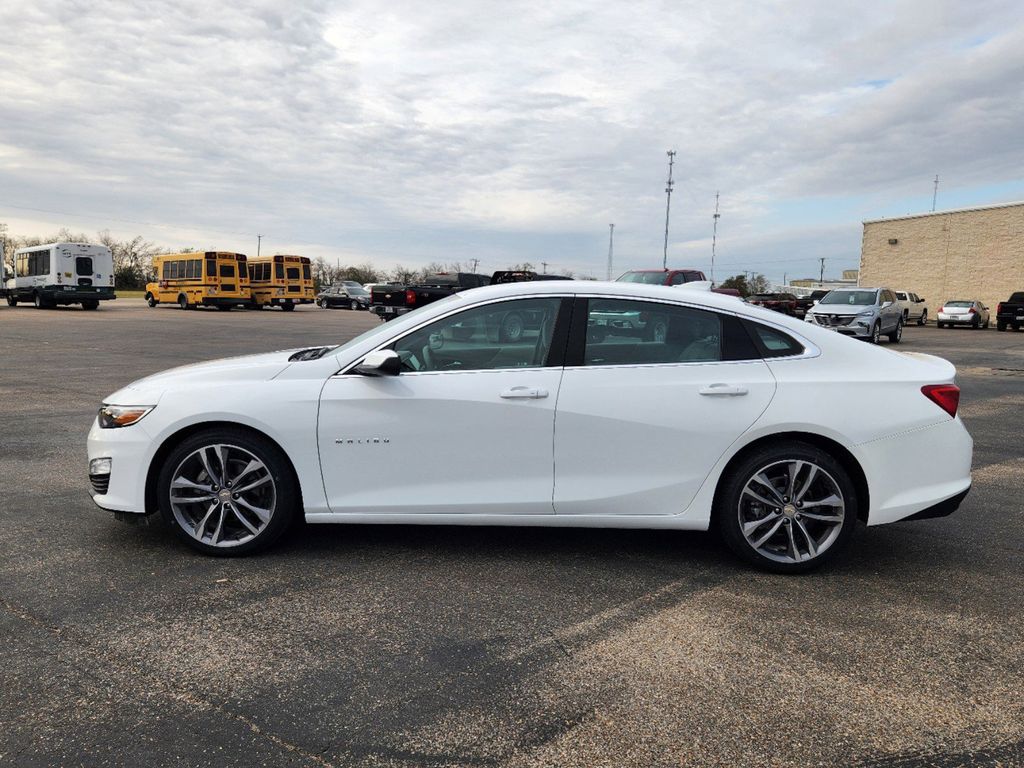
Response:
column 466, row 428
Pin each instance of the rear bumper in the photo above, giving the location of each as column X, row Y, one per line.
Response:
column 61, row 296
column 388, row 312
column 942, row 509
column 914, row 474
column 957, row 319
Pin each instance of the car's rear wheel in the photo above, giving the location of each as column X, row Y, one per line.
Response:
column 897, row 335
column 985, row 324
column 227, row 492
column 287, row 307
column 787, row 508
column 975, row 323
column 151, row 300
column 91, row 304
column 12, row 301
column 1000, row 325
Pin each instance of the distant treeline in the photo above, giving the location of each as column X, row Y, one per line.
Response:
column 133, row 261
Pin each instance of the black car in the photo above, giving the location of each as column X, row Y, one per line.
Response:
column 345, row 296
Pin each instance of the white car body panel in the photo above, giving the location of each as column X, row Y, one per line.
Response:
column 501, row 463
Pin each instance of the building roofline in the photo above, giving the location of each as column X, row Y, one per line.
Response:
column 943, row 213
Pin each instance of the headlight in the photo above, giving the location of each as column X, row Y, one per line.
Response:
column 115, row 416
column 866, row 313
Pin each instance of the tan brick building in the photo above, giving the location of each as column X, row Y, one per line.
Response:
column 971, row 253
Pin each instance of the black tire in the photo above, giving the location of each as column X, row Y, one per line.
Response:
column 1000, row 325
column 975, row 323
column 90, row 304
column 288, row 498
column 12, row 301
column 876, row 333
column 1016, row 326
column 512, row 327
column 151, row 300
column 940, row 325
column 728, row 510
column 923, row 319
column 183, row 302
column 287, row 307
column 37, row 300
column 897, row 335
column 225, row 307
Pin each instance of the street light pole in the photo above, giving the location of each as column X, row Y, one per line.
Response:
column 668, row 204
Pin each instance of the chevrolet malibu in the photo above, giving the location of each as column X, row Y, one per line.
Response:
column 781, row 435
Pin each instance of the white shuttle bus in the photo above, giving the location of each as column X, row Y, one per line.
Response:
column 60, row 273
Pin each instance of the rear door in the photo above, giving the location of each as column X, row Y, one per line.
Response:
column 640, row 420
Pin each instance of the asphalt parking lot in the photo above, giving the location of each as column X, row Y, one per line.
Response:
column 431, row 646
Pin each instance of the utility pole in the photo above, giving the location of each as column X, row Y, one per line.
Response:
column 935, row 193
column 474, row 263
column 611, row 235
column 714, row 238
column 821, row 275
column 259, row 241
column 544, row 267
column 668, row 203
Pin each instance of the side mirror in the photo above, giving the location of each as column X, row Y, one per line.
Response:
column 383, row 362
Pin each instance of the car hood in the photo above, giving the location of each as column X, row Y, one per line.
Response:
column 840, row 309
column 261, row 367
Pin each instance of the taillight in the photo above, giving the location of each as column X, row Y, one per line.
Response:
column 999, row 308
column 410, row 297
column 946, row 396
column 970, row 311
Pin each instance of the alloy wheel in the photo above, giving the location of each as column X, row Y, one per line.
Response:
column 876, row 332
column 222, row 495
column 791, row 511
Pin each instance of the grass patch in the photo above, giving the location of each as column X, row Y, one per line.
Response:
column 129, row 294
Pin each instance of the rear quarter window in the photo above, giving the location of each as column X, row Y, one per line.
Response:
column 772, row 342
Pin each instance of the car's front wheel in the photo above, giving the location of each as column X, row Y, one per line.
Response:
column 227, row 492
column 897, row 334
column 923, row 319
column 787, row 508
column 876, row 333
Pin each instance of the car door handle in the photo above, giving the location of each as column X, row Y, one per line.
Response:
column 524, row 393
column 730, row 390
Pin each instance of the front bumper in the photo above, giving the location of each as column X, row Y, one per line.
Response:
column 130, row 452
column 75, row 295
column 858, row 327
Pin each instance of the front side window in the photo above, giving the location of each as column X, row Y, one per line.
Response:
column 626, row 332
column 508, row 334
column 227, row 270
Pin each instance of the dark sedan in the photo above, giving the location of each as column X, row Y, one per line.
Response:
column 345, row 296
column 780, row 302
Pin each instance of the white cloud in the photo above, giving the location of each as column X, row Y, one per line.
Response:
column 510, row 132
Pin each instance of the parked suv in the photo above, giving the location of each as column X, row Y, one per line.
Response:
column 865, row 313
column 913, row 307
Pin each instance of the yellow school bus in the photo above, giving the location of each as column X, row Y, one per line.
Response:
column 212, row 279
column 280, row 281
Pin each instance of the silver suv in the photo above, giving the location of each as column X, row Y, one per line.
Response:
column 866, row 313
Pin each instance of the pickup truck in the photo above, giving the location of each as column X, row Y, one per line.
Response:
column 913, row 307
column 804, row 303
column 1011, row 312
column 391, row 301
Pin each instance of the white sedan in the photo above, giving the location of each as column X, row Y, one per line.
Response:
column 779, row 434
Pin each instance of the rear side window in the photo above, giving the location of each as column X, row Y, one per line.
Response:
column 83, row 266
column 211, row 268
column 774, row 343
column 306, row 273
column 626, row 332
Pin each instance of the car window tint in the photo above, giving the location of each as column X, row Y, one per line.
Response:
column 626, row 332
column 508, row 334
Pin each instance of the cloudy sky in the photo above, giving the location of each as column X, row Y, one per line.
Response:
column 411, row 132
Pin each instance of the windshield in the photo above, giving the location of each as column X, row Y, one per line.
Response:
column 649, row 278
column 850, row 298
column 959, row 303
column 394, row 327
